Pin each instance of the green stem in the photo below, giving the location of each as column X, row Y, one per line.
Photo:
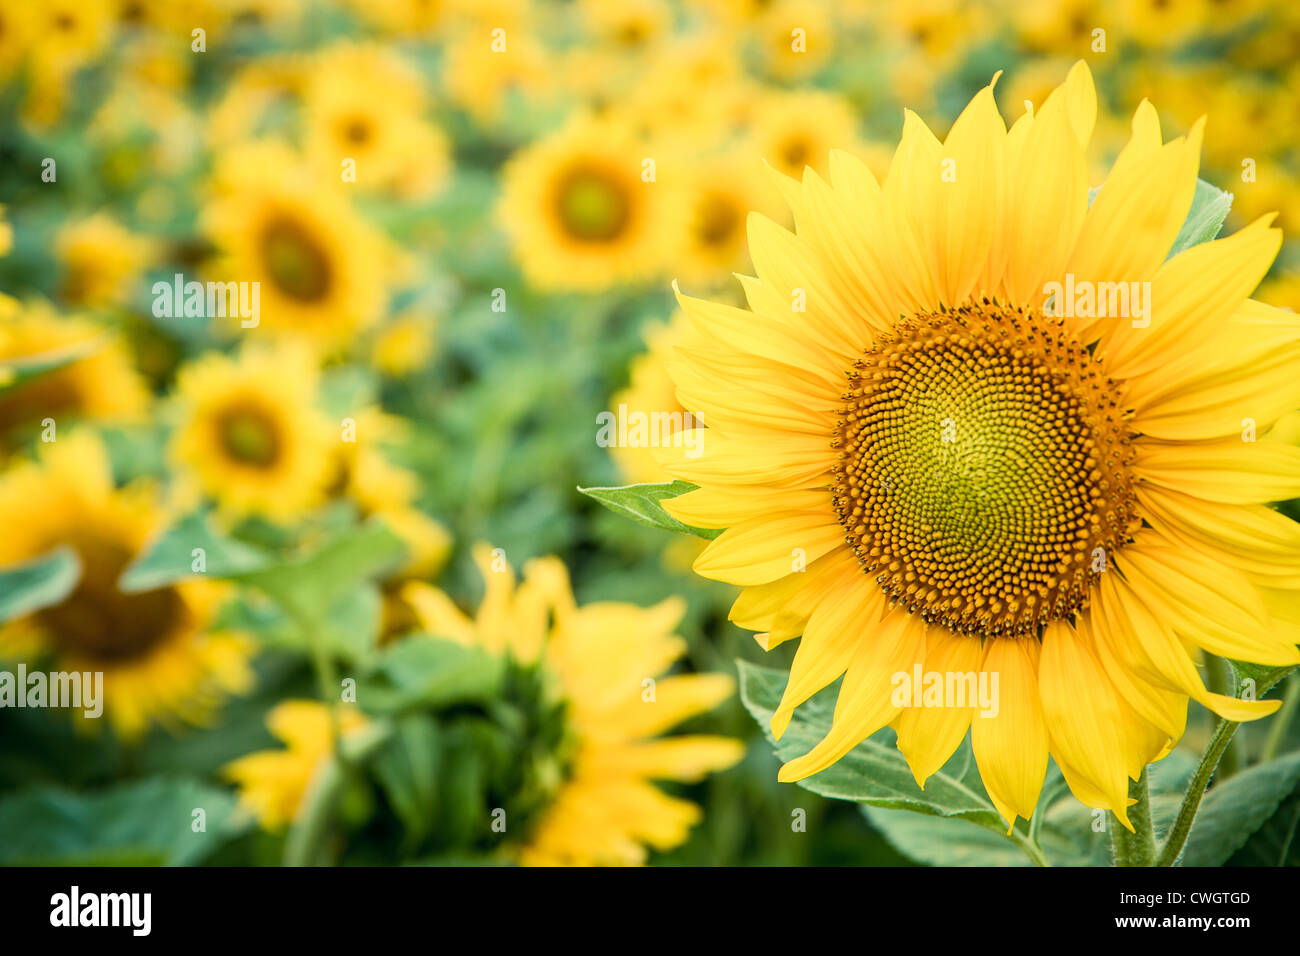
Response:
column 305, row 843
column 1182, row 827
column 1049, row 795
column 1222, row 680
column 1031, row 848
column 1282, row 722
column 1136, row 847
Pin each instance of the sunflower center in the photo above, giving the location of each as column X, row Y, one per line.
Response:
column 795, row 152
column 100, row 621
column 716, row 220
column 295, row 261
column 357, row 130
column 249, row 437
column 592, row 206
column 982, row 474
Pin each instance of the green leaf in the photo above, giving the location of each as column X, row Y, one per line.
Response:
column 338, row 566
column 30, row 586
column 641, row 504
column 1262, row 677
column 873, row 772
column 1239, row 807
column 173, row 554
column 1210, row 207
column 20, row 371
column 1277, row 842
column 941, row 842
column 407, row 770
column 148, row 823
column 430, row 672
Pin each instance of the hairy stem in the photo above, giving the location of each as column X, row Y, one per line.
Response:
column 1136, row 847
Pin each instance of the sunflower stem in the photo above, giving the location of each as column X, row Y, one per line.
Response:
column 1182, row 827
column 1223, row 681
column 1136, row 847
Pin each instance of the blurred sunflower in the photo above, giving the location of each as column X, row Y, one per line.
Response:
column 650, row 391
column 722, row 191
column 366, row 104
column 603, row 662
column 798, row 129
column 99, row 383
column 101, row 260
column 272, row 783
column 249, row 434
column 483, row 81
column 580, row 215
column 978, row 484
column 319, row 264
column 160, row 661
column 364, row 474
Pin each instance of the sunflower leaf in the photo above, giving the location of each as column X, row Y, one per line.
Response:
column 1210, row 207
column 1238, row 808
column 30, row 586
column 151, row 822
column 641, row 504
column 1257, row 679
column 872, row 773
column 186, row 547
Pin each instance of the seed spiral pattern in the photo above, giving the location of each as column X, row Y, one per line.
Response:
column 983, row 469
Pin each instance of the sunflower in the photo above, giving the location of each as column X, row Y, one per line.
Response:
column 319, row 266
column 272, row 783
column 249, row 434
column 102, row 384
column 721, row 192
column 981, row 477
column 582, row 211
column 366, row 104
column 650, row 392
column 482, row 81
column 102, row 260
column 798, row 129
column 160, row 660
column 794, row 39
column 603, row 661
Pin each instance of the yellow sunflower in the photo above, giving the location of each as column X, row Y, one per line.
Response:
column 589, row 207
column 102, row 385
column 721, row 192
column 797, row 129
column 319, row 265
column 365, row 104
column 249, row 435
column 650, row 392
column 605, row 660
column 985, row 472
column 160, row 661
column 102, row 260
column 272, row 783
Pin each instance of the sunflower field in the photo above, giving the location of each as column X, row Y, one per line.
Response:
column 674, row 432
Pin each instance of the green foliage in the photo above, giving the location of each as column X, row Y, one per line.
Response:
column 30, row 586
column 148, row 823
column 1258, row 802
column 1210, row 207
column 641, row 504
